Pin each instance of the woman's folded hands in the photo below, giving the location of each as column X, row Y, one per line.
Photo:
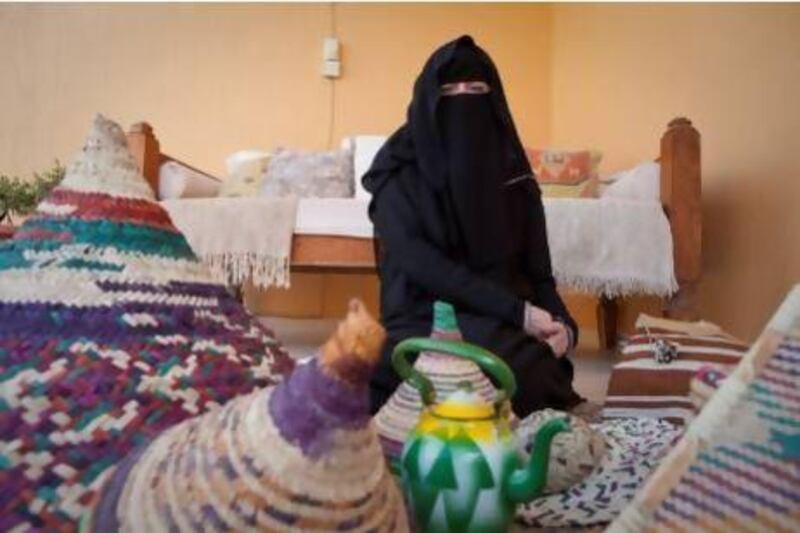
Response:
column 540, row 324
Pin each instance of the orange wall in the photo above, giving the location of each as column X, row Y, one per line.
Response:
column 213, row 79
column 620, row 72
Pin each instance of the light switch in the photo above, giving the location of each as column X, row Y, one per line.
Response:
column 331, row 62
column 330, row 49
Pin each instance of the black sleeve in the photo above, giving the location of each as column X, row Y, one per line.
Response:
column 427, row 266
column 539, row 266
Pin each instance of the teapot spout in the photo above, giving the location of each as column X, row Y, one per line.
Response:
column 526, row 483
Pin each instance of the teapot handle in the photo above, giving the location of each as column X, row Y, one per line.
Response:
column 485, row 359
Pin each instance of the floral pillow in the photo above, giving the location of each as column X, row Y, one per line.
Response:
column 310, row 174
column 565, row 173
column 246, row 170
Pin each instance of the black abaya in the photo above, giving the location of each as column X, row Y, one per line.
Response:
column 459, row 219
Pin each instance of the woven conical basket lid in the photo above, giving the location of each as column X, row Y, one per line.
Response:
column 110, row 331
column 400, row 414
column 298, row 456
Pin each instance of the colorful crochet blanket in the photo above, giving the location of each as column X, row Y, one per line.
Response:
column 110, row 332
column 737, row 467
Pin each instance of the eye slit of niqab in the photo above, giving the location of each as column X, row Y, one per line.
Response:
column 465, row 87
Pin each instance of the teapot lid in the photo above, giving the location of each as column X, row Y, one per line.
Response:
column 464, row 404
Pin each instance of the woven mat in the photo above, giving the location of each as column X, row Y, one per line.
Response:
column 737, row 468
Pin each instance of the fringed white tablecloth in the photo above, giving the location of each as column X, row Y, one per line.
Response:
column 610, row 247
column 605, row 246
column 239, row 238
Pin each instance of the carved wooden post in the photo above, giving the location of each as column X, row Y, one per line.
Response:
column 681, row 197
column 607, row 311
column 145, row 148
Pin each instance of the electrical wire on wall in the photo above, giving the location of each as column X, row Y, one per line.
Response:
column 332, row 81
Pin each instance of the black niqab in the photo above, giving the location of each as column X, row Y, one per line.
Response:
column 459, row 219
column 467, row 151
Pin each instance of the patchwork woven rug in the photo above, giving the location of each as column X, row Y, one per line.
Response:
column 634, row 448
column 737, row 468
column 110, row 331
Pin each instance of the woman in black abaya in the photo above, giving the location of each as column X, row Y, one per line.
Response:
column 459, row 218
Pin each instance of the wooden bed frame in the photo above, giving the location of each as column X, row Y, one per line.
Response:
column 680, row 195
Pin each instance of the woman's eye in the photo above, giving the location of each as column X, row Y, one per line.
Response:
column 477, row 87
column 465, row 87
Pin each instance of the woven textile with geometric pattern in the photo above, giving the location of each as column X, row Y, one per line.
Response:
column 737, row 467
column 634, row 448
column 300, row 456
column 110, row 331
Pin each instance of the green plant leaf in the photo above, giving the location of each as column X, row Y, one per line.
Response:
column 20, row 197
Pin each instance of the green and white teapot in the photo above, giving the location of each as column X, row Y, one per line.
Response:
column 460, row 467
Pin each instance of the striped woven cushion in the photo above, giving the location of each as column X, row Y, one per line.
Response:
column 642, row 387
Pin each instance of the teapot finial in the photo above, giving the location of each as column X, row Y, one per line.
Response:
column 444, row 317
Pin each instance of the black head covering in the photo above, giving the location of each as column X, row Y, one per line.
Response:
column 465, row 151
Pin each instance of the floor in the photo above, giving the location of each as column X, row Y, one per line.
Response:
column 302, row 337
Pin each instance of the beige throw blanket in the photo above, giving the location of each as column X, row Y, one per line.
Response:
column 239, row 238
column 610, row 246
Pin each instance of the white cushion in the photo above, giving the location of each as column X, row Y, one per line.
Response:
column 366, row 148
column 178, row 181
column 641, row 182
